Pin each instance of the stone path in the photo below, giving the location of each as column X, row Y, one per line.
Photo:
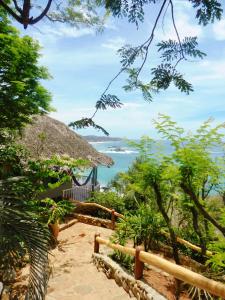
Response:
column 73, row 274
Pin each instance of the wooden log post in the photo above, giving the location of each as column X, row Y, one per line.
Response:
column 113, row 219
column 96, row 243
column 214, row 287
column 139, row 265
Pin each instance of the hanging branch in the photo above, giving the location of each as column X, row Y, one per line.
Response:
column 172, row 52
column 162, row 75
column 112, row 100
column 10, row 11
column 17, row 7
column 44, row 13
column 24, row 14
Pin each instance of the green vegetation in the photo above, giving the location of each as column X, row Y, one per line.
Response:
column 175, row 195
column 24, row 218
column 21, row 92
column 55, row 211
column 163, row 196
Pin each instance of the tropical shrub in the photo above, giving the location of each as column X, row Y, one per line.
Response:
column 182, row 186
column 54, row 211
column 22, row 236
column 110, row 200
column 142, row 227
column 12, row 160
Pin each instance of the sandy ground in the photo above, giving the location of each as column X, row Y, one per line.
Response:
column 73, row 274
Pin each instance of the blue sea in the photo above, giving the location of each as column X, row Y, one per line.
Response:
column 122, row 154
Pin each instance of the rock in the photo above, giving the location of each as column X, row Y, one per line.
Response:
column 136, row 288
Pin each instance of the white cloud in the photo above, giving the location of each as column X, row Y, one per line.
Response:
column 66, row 31
column 132, row 105
column 72, row 114
column 114, row 43
column 219, row 30
column 211, row 70
column 185, row 23
column 110, row 24
column 48, row 35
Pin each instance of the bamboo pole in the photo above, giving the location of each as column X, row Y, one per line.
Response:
column 188, row 244
column 181, row 273
column 113, row 219
column 138, row 265
column 95, row 205
column 123, row 249
column 186, row 275
column 179, row 240
column 119, row 215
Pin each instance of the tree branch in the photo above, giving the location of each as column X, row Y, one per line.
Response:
column 17, row 7
column 44, row 13
column 150, row 39
column 200, row 207
column 182, row 56
column 11, row 12
column 148, row 42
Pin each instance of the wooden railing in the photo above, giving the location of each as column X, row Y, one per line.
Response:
column 179, row 272
column 163, row 232
column 113, row 213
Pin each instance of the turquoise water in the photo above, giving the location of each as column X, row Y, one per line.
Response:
column 122, row 155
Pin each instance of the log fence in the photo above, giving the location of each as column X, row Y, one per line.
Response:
column 211, row 286
column 115, row 214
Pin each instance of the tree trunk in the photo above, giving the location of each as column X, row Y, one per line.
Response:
column 159, row 201
column 198, row 231
column 201, row 208
column 223, row 196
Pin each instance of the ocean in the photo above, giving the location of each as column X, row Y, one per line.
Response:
column 122, row 154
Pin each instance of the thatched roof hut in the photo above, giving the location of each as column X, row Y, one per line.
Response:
column 46, row 137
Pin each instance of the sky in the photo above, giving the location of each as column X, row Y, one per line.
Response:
column 82, row 62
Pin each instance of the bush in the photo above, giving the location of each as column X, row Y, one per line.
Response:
column 110, row 200
column 12, row 160
column 143, row 227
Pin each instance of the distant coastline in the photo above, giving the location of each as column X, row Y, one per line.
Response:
column 99, row 139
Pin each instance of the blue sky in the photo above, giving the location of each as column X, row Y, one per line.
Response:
column 83, row 62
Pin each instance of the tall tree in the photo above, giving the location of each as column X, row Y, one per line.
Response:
column 21, row 92
column 21, row 96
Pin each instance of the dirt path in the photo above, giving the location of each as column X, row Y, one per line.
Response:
column 73, row 274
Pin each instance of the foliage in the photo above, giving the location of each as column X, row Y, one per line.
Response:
column 84, row 13
column 23, row 219
column 12, row 160
column 181, row 187
column 22, row 235
column 55, row 211
column 134, row 10
column 134, row 58
column 73, row 12
column 142, row 227
column 217, row 261
column 21, row 92
column 51, row 173
column 125, row 260
column 110, row 200
column 87, row 122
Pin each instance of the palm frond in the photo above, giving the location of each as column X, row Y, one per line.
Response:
column 22, row 234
